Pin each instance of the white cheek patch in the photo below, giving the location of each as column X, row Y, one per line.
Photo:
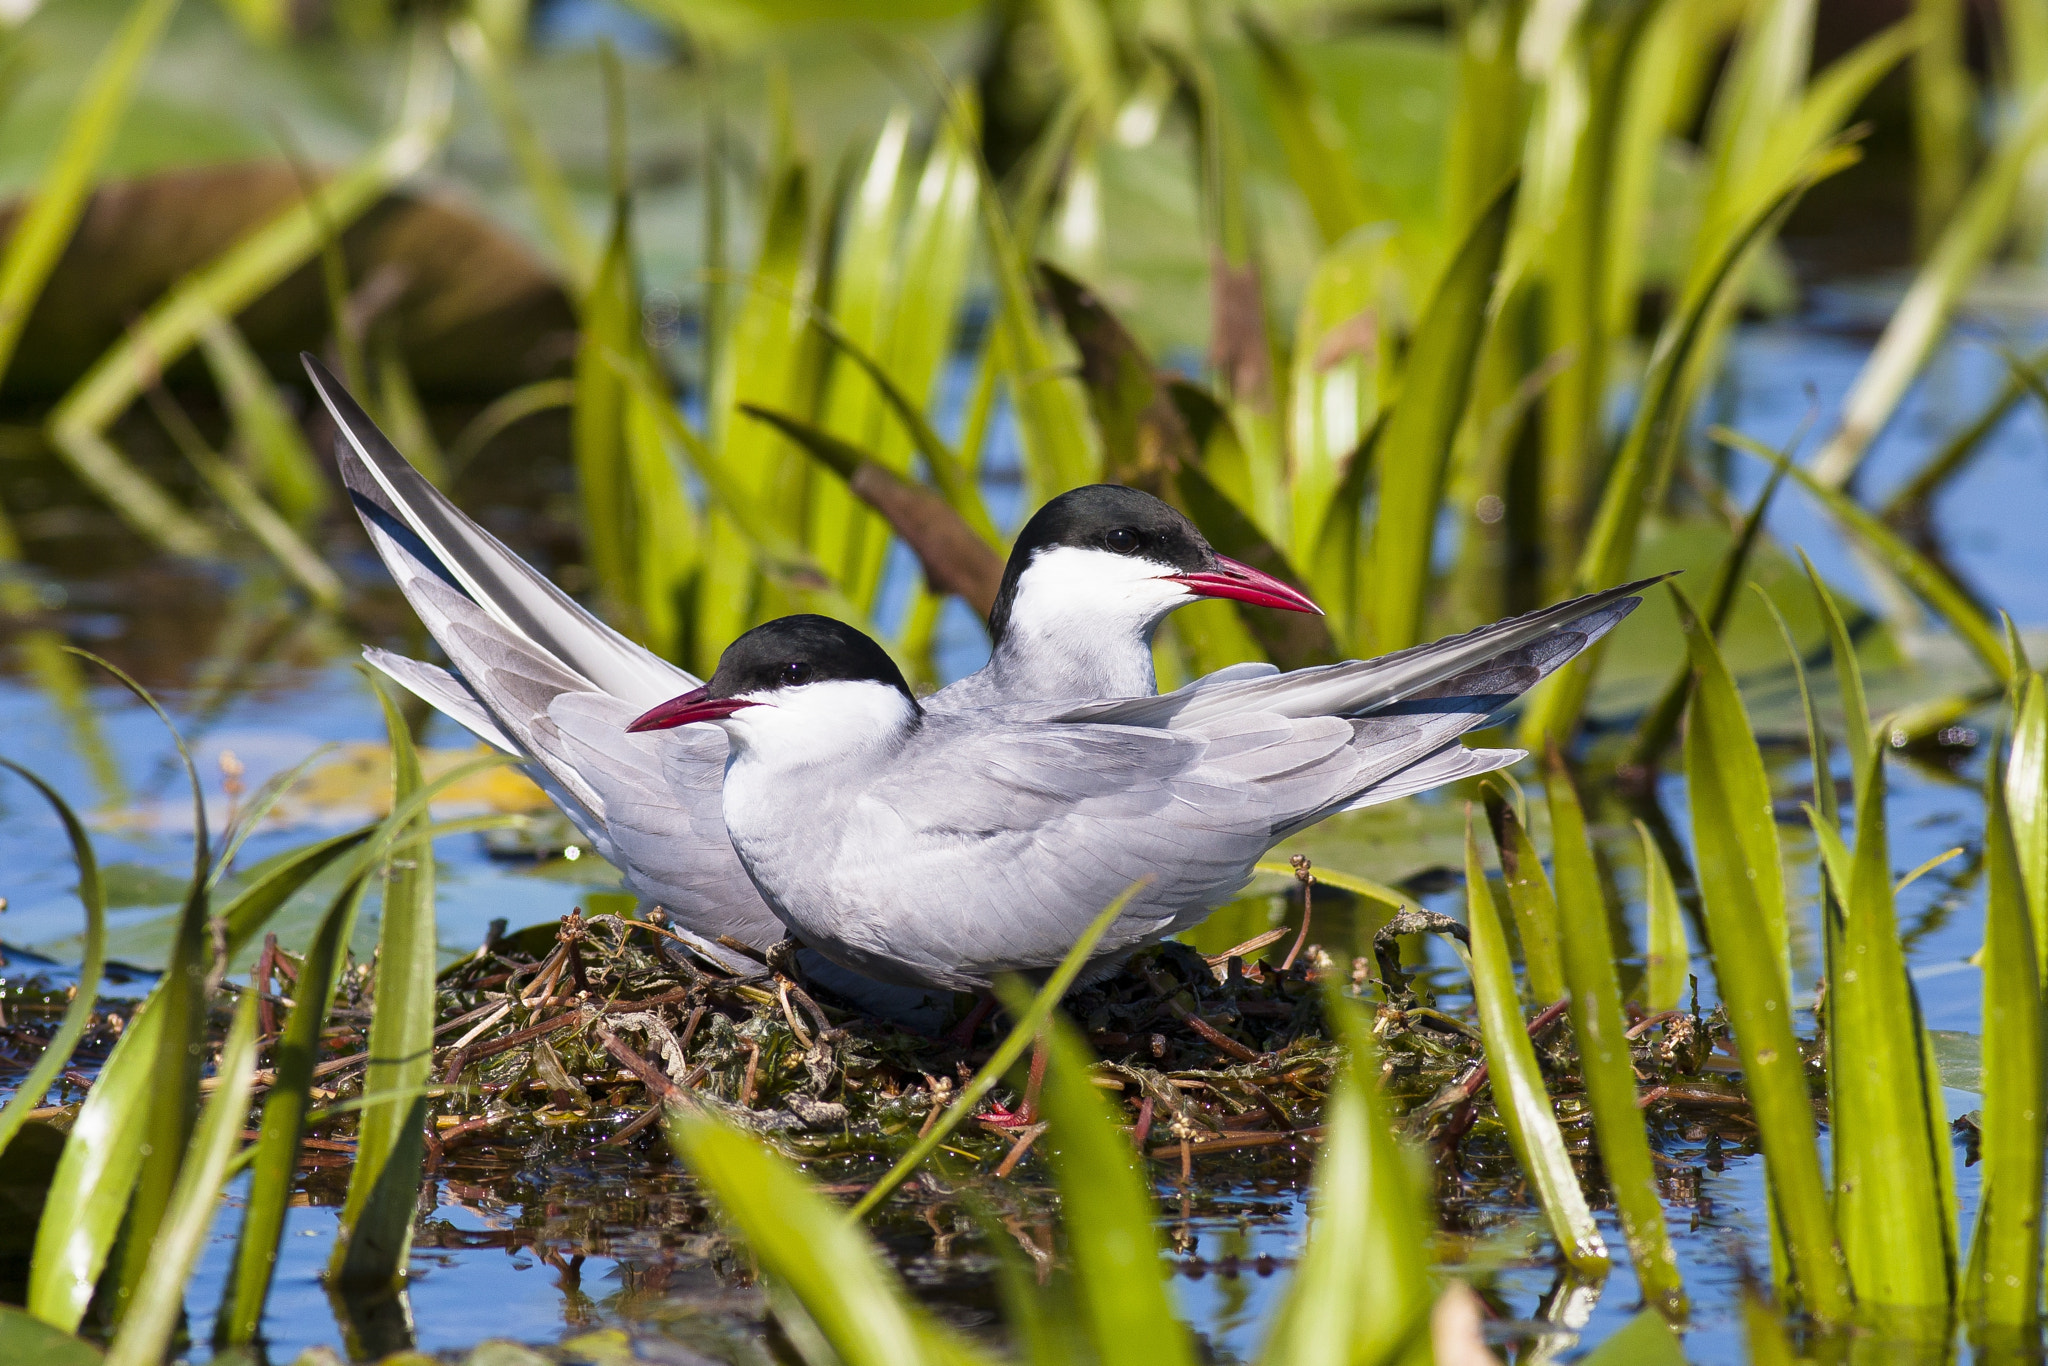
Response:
column 1078, row 594
column 819, row 722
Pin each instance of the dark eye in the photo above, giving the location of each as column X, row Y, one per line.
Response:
column 1123, row 540
column 793, row 674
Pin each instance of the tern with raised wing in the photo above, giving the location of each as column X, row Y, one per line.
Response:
column 940, row 849
column 1091, row 576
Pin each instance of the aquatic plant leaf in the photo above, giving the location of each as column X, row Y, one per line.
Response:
column 1975, row 231
column 24, row 1337
column 2003, row 1282
column 56, row 1054
column 1668, row 964
column 1112, row 1235
column 1645, row 1340
column 1530, row 897
column 1319, row 158
column 282, row 460
column 835, row 1273
column 1029, row 1023
column 1919, row 573
column 1413, row 453
column 1600, row 1031
column 1359, row 1293
column 53, row 211
column 376, row 1215
column 157, row 1309
column 1955, row 454
column 1894, row 1234
column 221, row 289
column 275, row 1165
column 1517, row 1081
column 1729, row 797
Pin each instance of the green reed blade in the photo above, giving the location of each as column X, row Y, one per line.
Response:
column 938, row 239
column 157, row 1309
column 400, row 409
column 864, row 277
column 1955, row 454
column 1892, row 1227
column 376, row 1216
column 1944, row 111
column 241, row 498
column 1926, row 579
column 1670, row 387
column 1859, row 736
column 1819, row 754
column 1360, row 1293
column 1530, row 897
column 1764, row 1333
column 1052, row 422
column 786, row 562
column 1105, row 1200
column 604, row 486
column 45, row 224
column 955, row 558
column 23, row 1337
column 480, row 56
column 1659, row 725
column 221, row 289
column 504, row 412
column 2003, row 1284
column 1740, row 779
column 1029, row 1023
column 848, row 1295
column 948, row 472
column 1605, row 1060
column 1730, row 801
column 2026, row 798
column 240, row 1319
column 1517, row 1081
column 1318, row 151
column 1668, row 964
column 1414, row 451
column 278, row 453
column 1917, row 325
column 56, row 1054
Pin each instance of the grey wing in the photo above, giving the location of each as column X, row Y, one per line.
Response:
column 1049, row 824
column 444, row 692
column 1357, row 687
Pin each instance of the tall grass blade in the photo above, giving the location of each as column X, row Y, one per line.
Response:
column 271, row 438
column 2026, row 799
column 1529, row 896
column 23, row 1337
column 1413, row 453
column 1029, row 1023
column 1605, row 1060
column 376, row 1216
column 1359, row 1294
column 1318, row 151
column 1645, row 1340
column 221, row 289
column 2003, row 1283
column 1517, row 1081
column 158, row 1306
column 1660, row 726
column 56, row 1054
column 1668, row 964
column 1112, row 1236
column 240, row 1319
column 1926, row 580
column 45, row 224
column 1898, row 1244
column 846, row 1291
column 1738, row 891
column 1858, row 735
column 610, row 319
column 1980, row 224
column 1955, row 453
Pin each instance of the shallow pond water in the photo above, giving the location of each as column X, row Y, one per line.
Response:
column 570, row 1239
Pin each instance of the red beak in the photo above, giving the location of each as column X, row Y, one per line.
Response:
column 1242, row 583
column 695, row 705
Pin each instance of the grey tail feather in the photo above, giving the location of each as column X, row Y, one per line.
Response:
column 390, row 493
column 1447, row 765
column 446, row 693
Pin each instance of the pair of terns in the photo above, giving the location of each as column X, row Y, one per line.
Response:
column 938, row 842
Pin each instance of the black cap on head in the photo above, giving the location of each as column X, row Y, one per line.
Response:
column 1110, row 517
column 792, row 651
